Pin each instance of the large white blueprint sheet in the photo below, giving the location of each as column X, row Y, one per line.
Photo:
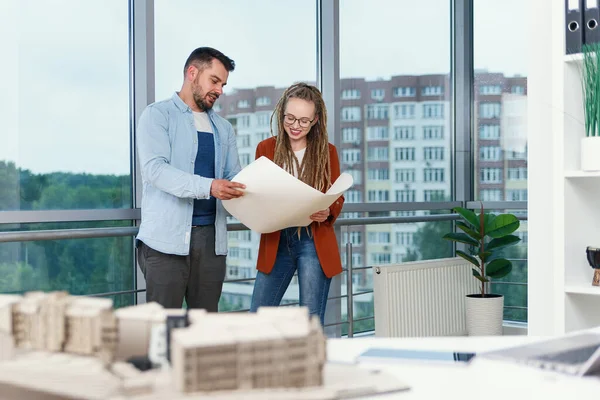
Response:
column 274, row 199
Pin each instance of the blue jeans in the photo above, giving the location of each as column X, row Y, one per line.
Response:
column 294, row 254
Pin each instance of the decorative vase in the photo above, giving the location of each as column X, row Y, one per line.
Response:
column 484, row 314
column 590, row 148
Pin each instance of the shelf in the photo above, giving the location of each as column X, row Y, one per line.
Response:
column 582, row 289
column 574, row 58
column 582, row 174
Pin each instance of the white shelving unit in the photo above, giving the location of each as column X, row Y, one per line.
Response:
column 564, row 201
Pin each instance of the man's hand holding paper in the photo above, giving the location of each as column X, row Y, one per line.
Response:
column 275, row 200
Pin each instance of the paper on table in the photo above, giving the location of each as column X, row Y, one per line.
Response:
column 274, row 199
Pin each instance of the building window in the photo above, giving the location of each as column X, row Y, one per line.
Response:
column 378, row 196
column 433, row 153
column 433, row 111
column 263, row 101
column 381, row 258
column 243, row 121
column 404, row 111
column 516, row 155
column 263, row 119
column 490, row 153
column 243, row 140
column 433, row 132
column 351, row 156
column 433, row 175
column 489, row 132
column 405, row 196
column 350, row 113
column 377, row 154
column 377, row 111
column 405, row 154
column 352, row 237
column 353, row 196
column 379, row 174
column 404, row 238
column 516, row 195
column 377, row 94
column 432, row 91
column 350, row 94
column 490, row 90
column 517, row 89
column 405, row 175
column 491, row 195
column 404, row 91
column 244, row 159
column 517, row 174
column 377, row 133
column 491, row 175
column 489, row 110
column 260, row 136
column 243, row 104
column 379, row 238
column 434, row 195
column 351, row 135
column 404, row 133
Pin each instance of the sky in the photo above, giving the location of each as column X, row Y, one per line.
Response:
column 64, row 83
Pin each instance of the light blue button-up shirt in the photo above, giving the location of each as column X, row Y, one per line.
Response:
column 167, row 143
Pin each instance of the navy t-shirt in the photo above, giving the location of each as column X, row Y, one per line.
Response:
column 204, row 209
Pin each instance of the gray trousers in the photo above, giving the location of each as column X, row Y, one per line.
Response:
column 197, row 277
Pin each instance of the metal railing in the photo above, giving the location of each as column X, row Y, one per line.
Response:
column 86, row 233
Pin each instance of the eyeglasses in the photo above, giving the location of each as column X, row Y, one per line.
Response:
column 290, row 120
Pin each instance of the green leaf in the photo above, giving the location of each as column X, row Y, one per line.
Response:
column 467, row 257
column 468, row 216
column 498, row 268
column 466, row 229
column 502, row 242
column 502, row 225
column 460, row 237
column 488, row 219
column 485, row 255
column 477, row 275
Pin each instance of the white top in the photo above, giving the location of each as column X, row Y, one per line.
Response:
column 202, row 122
column 299, row 155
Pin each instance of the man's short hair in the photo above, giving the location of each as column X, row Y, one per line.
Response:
column 202, row 58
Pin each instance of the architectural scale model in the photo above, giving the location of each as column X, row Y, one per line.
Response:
column 57, row 346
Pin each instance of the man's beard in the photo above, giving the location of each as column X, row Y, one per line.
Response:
column 199, row 99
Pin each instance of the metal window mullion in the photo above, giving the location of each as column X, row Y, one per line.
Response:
column 142, row 93
column 328, row 81
column 462, row 79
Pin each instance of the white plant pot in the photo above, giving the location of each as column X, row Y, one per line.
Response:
column 484, row 315
column 590, row 153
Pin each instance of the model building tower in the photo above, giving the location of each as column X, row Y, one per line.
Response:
column 91, row 328
column 38, row 321
column 275, row 348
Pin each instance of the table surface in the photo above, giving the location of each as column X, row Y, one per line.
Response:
column 481, row 379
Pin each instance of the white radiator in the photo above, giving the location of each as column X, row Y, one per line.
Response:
column 422, row 298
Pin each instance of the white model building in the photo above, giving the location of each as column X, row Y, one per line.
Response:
column 91, row 328
column 53, row 346
column 276, row 348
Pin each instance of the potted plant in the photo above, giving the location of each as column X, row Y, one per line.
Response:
column 590, row 82
column 486, row 234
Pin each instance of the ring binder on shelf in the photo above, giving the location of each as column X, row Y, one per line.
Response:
column 573, row 26
column 591, row 17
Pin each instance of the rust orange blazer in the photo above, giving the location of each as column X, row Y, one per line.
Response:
column 326, row 243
